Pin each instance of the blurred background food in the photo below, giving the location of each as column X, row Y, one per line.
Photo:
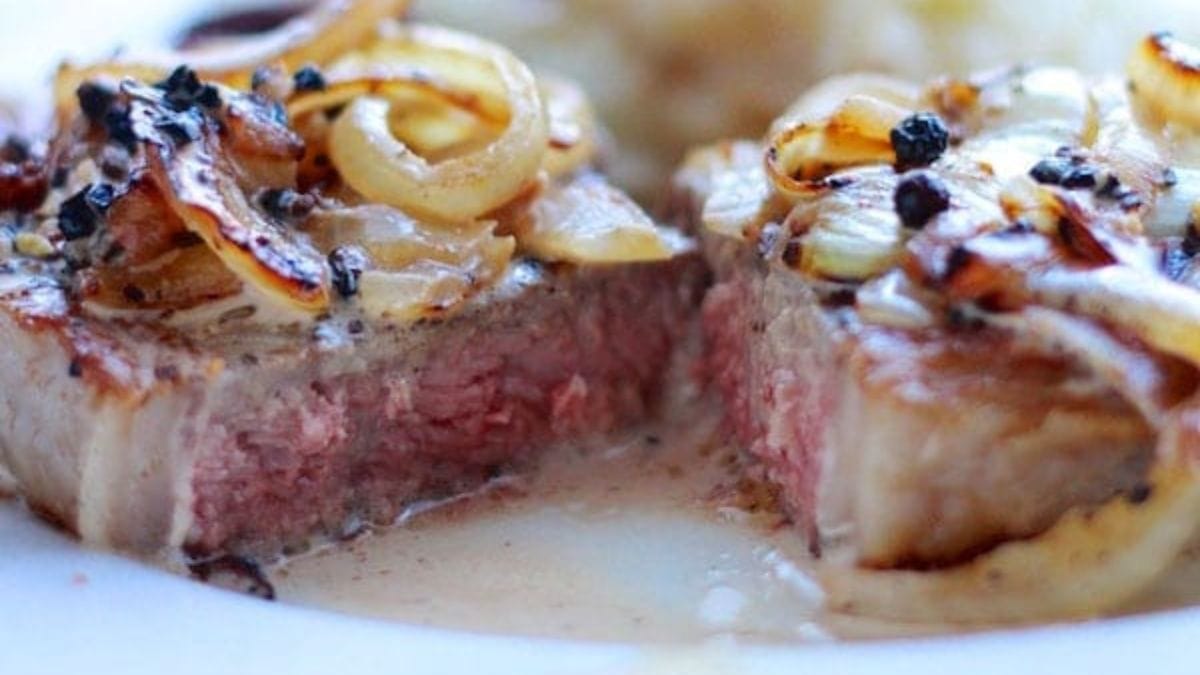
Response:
column 667, row 74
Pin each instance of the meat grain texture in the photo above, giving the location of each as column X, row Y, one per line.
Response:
column 253, row 442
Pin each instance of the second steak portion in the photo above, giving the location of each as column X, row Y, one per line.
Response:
column 900, row 447
column 917, row 449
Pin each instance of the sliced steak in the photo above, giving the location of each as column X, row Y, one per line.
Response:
column 248, row 442
column 907, row 447
column 918, row 449
column 210, row 348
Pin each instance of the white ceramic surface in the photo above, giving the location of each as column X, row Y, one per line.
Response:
column 64, row 609
column 67, row 610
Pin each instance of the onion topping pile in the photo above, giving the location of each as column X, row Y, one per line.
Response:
column 1032, row 201
column 345, row 159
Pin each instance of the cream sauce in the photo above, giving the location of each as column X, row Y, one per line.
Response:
column 646, row 541
column 641, row 542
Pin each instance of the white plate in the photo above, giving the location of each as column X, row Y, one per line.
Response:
column 68, row 610
column 64, row 609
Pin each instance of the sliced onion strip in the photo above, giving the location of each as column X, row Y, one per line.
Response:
column 855, row 134
column 329, row 29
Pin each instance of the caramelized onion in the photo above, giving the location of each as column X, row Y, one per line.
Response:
column 1143, row 379
column 856, row 133
column 589, row 221
column 385, row 169
column 417, row 270
column 1088, row 563
column 260, row 252
column 848, row 234
column 1164, row 314
column 422, row 290
column 1165, row 75
column 329, row 29
column 824, row 99
column 199, row 183
column 178, row 280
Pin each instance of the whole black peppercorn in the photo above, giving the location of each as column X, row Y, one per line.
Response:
column 308, row 78
column 95, row 99
column 919, row 197
column 919, row 140
column 79, row 215
column 347, row 264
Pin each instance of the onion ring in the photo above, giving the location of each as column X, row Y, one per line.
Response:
column 385, row 169
column 1086, row 564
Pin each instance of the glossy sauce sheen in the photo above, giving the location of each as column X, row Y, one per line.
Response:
column 645, row 541
column 637, row 542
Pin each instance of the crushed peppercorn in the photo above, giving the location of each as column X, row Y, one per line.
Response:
column 1064, row 172
column 347, row 264
column 182, row 129
column 79, row 215
column 95, row 99
column 183, row 91
column 119, row 127
column 1140, row 493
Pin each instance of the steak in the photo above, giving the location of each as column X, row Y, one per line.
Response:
column 898, row 447
column 217, row 342
column 252, row 442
